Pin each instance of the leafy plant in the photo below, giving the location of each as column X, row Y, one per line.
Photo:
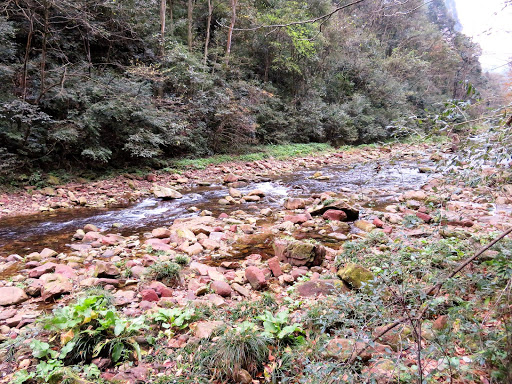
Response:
column 276, row 327
column 174, row 317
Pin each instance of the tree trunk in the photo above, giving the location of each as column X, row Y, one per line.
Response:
column 190, row 8
column 231, row 27
column 208, row 28
column 171, row 17
column 28, row 47
column 163, row 6
column 44, row 51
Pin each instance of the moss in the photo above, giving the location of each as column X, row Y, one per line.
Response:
column 355, row 275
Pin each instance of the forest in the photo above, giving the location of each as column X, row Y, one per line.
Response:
column 254, row 192
column 89, row 83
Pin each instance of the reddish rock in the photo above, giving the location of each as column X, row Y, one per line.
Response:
column 12, row 295
column 42, row 269
column 91, row 228
column 387, row 230
column 440, row 323
column 256, row 277
column 297, row 219
column 151, row 177
column 65, row 270
column 321, row 287
column 334, row 214
column 223, row 215
column 298, row 272
column 55, row 285
column 424, row 216
column 91, row 237
column 299, row 253
column 294, row 203
column 160, row 233
column 378, row 222
column 149, row 295
column 230, row 178
column 47, row 253
column 221, row 288
column 275, row 266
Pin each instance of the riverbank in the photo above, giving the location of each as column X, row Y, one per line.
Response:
column 126, row 188
column 307, row 271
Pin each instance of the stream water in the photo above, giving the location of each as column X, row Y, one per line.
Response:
column 27, row 234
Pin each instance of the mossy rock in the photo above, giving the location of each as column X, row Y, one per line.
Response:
column 355, row 275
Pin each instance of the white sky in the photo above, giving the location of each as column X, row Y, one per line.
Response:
column 491, row 26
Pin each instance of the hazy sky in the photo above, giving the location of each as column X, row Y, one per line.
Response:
column 491, row 26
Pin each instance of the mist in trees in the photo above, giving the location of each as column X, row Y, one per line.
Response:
column 96, row 81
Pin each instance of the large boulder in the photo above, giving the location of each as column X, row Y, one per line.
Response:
column 299, row 253
column 12, row 296
column 355, row 275
column 166, row 193
column 338, row 205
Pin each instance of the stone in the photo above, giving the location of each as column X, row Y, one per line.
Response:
column 299, row 253
column 294, row 203
column 440, row 323
column 106, row 270
column 334, row 214
column 382, row 371
column 256, row 277
column 160, row 233
column 321, row 287
column 42, row 269
column 91, row 228
column 242, row 376
column 414, row 195
column 124, row 298
column 194, row 249
column 423, row 216
column 235, row 193
column 297, row 219
column 342, row 349
column 256, row 192
column 298, row 272
column 339, row 205
column 364, row 225
column 241, row 289
column 216, row 275
column 54, row 285
column 397, row 338
column 252, row 198
column 91, row 237
column 47, row 253
column 266, row 212
column 355, row 275
column 275, row 266
column 166, row 193
column 378, row 222
column 230, row 178
column 204, row 329
column 221, row 288
column 149, row 295
column 12, row 296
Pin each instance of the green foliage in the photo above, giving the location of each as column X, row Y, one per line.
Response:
column 165, row 271
column 174, row 317
column 239, row 348
column 92, row 328
column 277, row 327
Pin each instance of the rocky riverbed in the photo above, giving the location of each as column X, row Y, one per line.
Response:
column 237, row 231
